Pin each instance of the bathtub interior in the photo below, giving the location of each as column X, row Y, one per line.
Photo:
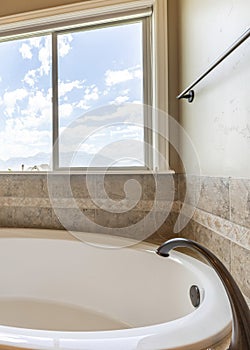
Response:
column 118, row 287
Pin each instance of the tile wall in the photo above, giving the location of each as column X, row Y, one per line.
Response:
column 221, row 222
column 38, row 201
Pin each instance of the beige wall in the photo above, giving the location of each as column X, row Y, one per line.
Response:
column 12, row 7
column 218, row 121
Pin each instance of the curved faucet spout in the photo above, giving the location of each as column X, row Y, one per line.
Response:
column 240, row 311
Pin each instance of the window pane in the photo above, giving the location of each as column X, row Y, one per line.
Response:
column 25, row 104
column 99, row 70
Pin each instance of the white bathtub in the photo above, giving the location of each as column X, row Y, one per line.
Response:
column 62, row 294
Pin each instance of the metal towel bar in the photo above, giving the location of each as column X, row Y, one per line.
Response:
column 188, row 93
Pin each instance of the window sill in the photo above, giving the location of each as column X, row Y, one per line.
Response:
column 91, row 172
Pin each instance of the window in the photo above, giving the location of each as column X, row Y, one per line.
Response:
column 40, row 89
column 75, row 94
column 25, row 103
column 102, row 71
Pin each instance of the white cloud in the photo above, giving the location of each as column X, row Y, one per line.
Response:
column 11, row 98
column 90, row 148
column 25, row 51
column 41, row 46
column 91, row 93
column 106, row 92
column 65, row 110
column 35, row 41
column 30, row 77
column 44, row 56
column 64, row 88
column 27, row 131
column 119, row 100
column 19, row 142
column 113, row 77
column 64, row 46
column 38, row 101
column 83, row 105
column 117, row 77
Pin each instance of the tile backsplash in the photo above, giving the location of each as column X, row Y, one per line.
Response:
column 115, row 201
column 221, row 222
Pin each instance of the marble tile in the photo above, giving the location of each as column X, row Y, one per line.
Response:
column 167, row 187
column 32, row 217
column 189, row 187
column 35, row 186
column 24, row 202
column 73, row 219
column 149, row 187
column 113, row 186
column 56, row 224
column 6, row 216
column 59, row 186
column 240, row 201
column 154, row 239
column 79, row 185
column 188, row 231
column 218, row 245
column 16, row 185
column 240, row 268
column 118, row 220
column 214, row 196
column 164, row 231
column 226, row 228
column 4, row 185
column 129, row 224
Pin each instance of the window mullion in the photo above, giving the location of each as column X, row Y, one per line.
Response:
column 147, row 91
column 55, row 123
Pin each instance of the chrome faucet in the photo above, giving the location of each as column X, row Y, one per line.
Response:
column 240, row 311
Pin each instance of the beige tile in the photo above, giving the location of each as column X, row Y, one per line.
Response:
column 4, row 185
column 167, row 187
column 188, row 231
column 32, row 217
column 240, row 201
column 240, row 268
column 116, row 220
column 189, row 188
column 218, row 245
column 59, row 186
column 73, row 219
column 79, row 185
column 6, row 216
column 225, row 228
column 214, row 196
column 35, row 186
column 16, row 185
column 113, row 186
column 166, row 230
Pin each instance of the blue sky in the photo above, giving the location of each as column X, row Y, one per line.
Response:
column 100, row 67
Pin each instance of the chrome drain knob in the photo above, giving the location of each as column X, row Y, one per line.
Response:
column 195, row 296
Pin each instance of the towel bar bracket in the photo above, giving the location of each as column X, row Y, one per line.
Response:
column 189, row 96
